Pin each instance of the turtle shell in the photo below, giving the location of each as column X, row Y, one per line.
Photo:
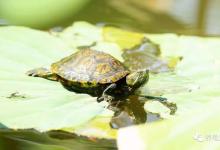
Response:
column 90, row 66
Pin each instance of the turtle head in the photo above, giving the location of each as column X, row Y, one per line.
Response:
column 137, row 78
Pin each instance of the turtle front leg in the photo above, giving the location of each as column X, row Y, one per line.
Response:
column 105, row 96
column 43, row 73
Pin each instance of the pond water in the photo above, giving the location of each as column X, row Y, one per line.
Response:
column 197, row 17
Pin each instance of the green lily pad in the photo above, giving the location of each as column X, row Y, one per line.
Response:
column 27, row 102
column 196, row 123
column 51, row 140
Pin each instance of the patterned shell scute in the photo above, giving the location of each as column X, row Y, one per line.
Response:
column 90, row 66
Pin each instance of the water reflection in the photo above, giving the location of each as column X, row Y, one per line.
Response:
column 131, row 112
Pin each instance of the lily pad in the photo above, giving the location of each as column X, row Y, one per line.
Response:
column 196, row 123
column 27, row 102
column 51, row 140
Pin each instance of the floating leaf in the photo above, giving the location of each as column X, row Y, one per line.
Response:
column 196, row 123
column 28, row 102
column 124, row 39
column 51, row 140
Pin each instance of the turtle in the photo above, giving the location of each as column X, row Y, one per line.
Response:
column 95, row 73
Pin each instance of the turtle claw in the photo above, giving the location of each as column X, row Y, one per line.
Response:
column 38, row 72
column 100, row 99
column 43, row 73
column 113, row 108
column 106, row 98
column 32, row 73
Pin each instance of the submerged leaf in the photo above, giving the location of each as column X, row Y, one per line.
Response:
column 139, row 52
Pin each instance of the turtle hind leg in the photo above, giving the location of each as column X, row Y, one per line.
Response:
column 43, row 73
